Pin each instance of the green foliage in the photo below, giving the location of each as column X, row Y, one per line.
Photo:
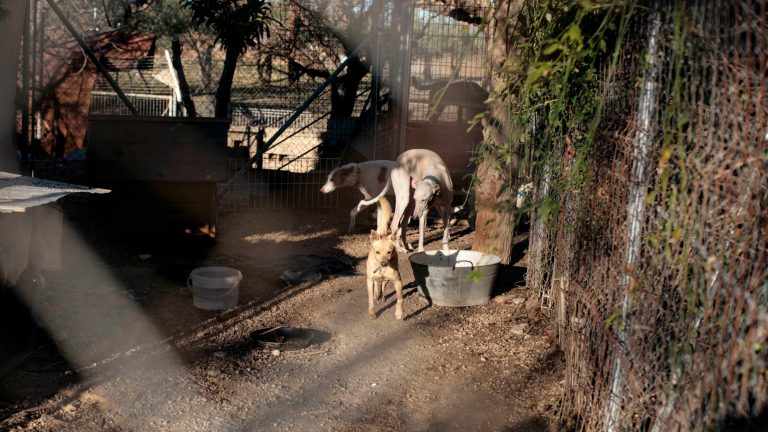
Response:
column 163, row 17
column 475, row 275
column 553, row 94
column 239, row 24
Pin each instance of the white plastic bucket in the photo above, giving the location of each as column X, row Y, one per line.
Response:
column 214, row 288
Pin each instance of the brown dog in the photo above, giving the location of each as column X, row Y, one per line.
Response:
column 468, row 97
column 382, row 267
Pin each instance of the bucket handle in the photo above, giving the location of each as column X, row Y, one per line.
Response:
column 458, row 261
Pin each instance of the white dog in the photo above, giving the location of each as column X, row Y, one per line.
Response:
column 370, row 178
column 426, row 172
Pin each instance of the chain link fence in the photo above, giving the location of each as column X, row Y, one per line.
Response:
column 655, row 268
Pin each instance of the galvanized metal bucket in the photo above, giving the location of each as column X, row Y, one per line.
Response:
column 455, row 277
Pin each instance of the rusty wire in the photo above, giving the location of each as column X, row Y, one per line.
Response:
column 695, row 356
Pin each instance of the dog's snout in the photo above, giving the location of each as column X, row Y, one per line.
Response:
column 384, row 263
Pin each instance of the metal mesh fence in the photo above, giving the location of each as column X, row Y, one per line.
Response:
column 272, row 189
column 266, row 93
column 449, row 66
column 656, row 267
column 273, row 80
column 145, row 104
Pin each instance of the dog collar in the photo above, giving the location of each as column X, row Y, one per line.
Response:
column 431, row 178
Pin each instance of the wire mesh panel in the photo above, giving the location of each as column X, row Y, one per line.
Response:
column 251, row 188
column 449, row 65
column 653, row 259
column 145, row 104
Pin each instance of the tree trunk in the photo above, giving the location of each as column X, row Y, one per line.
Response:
column 186, row 98
column 344, row 92
column 204, row 49
column 495, row 223
column 224, row 90
column 495, row 194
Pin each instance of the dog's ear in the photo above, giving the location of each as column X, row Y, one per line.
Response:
column 375, row 236
column 436, row 190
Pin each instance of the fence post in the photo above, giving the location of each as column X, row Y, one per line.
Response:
column 260, row 148
column 539, row 244
column 639, row 175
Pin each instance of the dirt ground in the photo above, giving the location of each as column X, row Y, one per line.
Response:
column 125, row 349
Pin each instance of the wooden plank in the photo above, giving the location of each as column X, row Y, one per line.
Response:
column 18, row 193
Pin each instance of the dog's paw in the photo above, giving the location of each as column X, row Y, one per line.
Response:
column 371, row 315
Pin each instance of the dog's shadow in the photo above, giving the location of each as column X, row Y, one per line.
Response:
column 408, row 290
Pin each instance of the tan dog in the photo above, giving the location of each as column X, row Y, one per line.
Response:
column 382, row 267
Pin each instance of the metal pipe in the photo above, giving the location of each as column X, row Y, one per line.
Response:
column 296, row 114
column 641, row 151
column 318, row 91
column 28, row 30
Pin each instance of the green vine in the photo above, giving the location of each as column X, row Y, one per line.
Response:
column 563, row 50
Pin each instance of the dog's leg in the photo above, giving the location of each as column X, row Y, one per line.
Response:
column 407, row 221
column 445, row 213
column 422, row 228
column 399, row 304
column 371, row 308
column 352, row 215
column 382, row 287
column 401, row 183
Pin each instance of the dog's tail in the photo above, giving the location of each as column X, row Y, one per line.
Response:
column 420, row 85
column 382, row 221
column 363, row 203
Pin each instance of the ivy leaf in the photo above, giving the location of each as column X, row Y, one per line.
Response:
column 535, row 73
column 552, row 48
column 573, row 33
column 475, row 275
column 615, row 315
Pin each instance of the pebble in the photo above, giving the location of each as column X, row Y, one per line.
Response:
column 518, row 329
column 219, row 354
column 276, row 352
column 518, row 300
